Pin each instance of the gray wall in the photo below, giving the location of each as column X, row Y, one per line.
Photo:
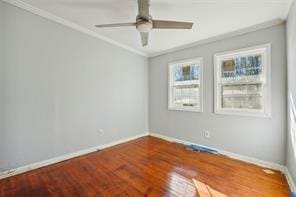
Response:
column 291, row 52
column 262, row 138
column 61, row 86
column 1, row 78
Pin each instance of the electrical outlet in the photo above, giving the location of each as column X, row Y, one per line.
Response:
column 101, row 132
column 207, row 134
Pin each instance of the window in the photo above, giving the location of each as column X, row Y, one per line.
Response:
column 185, row 85
column 242, row 82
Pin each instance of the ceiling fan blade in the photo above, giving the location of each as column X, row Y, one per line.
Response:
column 144, row 38
column 143, row 8
column 161, row 24
column 117, row 25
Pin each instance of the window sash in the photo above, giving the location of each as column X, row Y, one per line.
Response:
column 190, row 97
column 242, row 97
column 247, row 107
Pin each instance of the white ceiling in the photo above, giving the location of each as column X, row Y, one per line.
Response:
column 211, row 18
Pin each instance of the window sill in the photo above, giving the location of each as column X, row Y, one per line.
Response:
column 244, row 113
column 187, row 109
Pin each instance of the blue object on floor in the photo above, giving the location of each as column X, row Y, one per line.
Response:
column 293, row 194
column 202, row 148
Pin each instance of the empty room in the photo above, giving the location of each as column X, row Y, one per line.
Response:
column 176, row 98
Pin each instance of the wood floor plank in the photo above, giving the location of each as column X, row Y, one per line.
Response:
column 148, row 167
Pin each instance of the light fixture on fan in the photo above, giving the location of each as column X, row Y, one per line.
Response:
column 144, row 26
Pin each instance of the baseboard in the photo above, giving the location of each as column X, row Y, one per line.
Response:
column 290, row 180
column 61, row 158
column 252, row 160
column 44, row 163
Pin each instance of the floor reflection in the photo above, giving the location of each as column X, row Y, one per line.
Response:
column 182, row 186
column 204, row 190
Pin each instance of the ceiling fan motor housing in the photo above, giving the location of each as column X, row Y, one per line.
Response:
column 144, row 25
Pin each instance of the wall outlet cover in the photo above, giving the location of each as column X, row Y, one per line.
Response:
column 101, row 132
column 207, row 134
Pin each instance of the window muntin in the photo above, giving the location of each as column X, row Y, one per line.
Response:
column 241, row 82
column 185, row 85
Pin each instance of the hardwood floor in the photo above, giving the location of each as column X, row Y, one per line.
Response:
column 147, row 167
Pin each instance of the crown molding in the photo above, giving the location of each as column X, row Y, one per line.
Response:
column 67, row 23
column 240, row 32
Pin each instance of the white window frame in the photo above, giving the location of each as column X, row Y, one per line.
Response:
column 264, row 49
column 171, row 67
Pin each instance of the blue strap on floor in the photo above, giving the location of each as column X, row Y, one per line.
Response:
column 202, row 148
column 293, row 194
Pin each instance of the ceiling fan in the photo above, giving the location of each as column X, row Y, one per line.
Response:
column 144, row 22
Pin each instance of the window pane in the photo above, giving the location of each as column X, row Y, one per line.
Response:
column 250, row 65
column 187, row 72
column 194, row 73
column 178, row 92
column 185, row 92
column 185, row 85
column 186, row 96
column 242, row 96
column 242, row 81
column 254, row 102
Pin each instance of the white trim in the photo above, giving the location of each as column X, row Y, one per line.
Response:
column 248, row 159
column 61, row 158
column 252, row 160
column 198, row 60
column 67, row 23
column 239, row 32
column 263, row 49
column 33, row 166
column 290, row 180
column 52, row 17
